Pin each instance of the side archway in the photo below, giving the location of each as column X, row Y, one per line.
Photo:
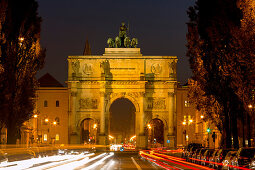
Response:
column 155, row 132
column 88, row 131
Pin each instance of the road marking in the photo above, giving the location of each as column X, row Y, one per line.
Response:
column 137, row 166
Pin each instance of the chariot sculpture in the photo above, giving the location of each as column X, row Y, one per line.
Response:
column 122, row 41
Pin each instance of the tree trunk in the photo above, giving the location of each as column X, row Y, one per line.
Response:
column 226, row 130
column 12, row 133
column 249, row 129
column 234, row 130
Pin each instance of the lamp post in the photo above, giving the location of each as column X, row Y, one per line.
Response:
column 95, row 129
column 149, row 133
column 251, row 107
column 202, row 131
column 184, row 123
column 36, row 122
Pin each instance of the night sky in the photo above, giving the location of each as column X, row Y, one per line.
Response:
column 159, row 25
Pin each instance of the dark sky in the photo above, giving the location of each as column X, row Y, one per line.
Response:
column 159, row 26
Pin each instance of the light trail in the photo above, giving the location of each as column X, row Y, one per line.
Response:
column 31, row 162
column 181, row 162
column 99, row 162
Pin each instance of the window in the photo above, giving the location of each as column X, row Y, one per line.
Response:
column 57, row 103
column 45, row 137
column 57, row 120
column 45, row 103
column 186, row 103
column 57, row 137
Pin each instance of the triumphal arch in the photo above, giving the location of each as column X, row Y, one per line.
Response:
column 95, row 82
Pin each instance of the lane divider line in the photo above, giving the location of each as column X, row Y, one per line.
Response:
column 136, row 164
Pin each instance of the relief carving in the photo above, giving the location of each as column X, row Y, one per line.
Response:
column 88, row 69
column 156, row 103
column 75, row 66
column 88, row 103
column 156, row 68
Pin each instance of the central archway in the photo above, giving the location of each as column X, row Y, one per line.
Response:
column 122, row 121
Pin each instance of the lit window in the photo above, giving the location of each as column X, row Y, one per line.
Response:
column 45, row 137
column 45, row 103
column 57, row 137
column 57, row 103
column 186, row 103
column 57, row 120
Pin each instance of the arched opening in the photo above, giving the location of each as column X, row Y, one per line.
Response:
column 88, row 131
column 155, row 132
column 122, row 121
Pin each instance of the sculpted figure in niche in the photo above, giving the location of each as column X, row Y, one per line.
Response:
column 172, row 67
column 105, row 67
column 75, row 67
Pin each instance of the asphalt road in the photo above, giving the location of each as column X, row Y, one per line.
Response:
column 124, row 160
column 102, row 161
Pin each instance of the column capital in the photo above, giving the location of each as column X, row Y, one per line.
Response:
column 171, row 94
column 74, row 94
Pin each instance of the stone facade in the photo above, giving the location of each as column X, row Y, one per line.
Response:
column 95, row 82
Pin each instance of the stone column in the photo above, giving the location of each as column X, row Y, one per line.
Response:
column 102, row 135
column 73, row 134
column 171, row 112
column 142, row 141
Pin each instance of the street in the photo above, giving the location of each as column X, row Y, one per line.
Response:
column 103, row 160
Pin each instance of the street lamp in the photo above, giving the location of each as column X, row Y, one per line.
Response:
column 250, row 106
column 95, row 128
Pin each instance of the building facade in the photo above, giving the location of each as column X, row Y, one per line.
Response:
column 148, row 82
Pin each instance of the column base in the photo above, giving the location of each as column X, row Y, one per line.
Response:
column 141, row 142
column 74, row 138
column 171, row 144
column 103, row 140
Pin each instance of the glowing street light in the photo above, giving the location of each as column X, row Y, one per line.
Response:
column 54, row 123
column 35, row 116
column 250, row 106
column 21, row 39
column 190, row 120
column 202, row 116
column 46, row 120
column 95, row 126
column 149, row 126
column 132, row 138
column 111, row 137
column 184, row 122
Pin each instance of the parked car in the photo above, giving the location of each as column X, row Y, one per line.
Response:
column 200, row 154
column 252, row 164
column 188, row 148
column 184, row 152
column 194, row 156
column 206, row 156
column 191, row 152
column 221, row 156
column 212, row 158
column 228, row 158
column 243, row 157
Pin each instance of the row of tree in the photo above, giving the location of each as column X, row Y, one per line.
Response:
column 221, row 41
column 20, row 58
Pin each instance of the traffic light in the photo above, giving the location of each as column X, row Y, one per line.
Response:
column 213, row 136
column 208, row 130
